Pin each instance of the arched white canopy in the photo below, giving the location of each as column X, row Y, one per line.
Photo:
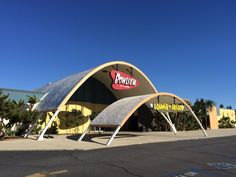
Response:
column 120, row 111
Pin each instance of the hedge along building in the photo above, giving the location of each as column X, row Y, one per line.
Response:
column 116, row 90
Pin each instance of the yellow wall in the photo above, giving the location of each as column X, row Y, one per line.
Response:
column 69, row 107
column 86, row 110
column 213, row 118
column 80, row 129
column 91, row 106
column 227, row 113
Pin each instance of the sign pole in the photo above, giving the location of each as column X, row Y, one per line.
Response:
column 113, row 135
column 84, row 133
column 48, row 124
column 194, row 115
column 171, row 125
column 168, row 115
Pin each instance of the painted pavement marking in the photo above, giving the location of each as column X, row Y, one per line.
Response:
column 222, row 165
column 202, row 171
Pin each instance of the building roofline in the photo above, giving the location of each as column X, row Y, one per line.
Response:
column 18, row 90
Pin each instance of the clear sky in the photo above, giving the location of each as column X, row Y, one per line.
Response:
column 187, row 47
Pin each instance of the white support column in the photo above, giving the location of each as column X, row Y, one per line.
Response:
column 29, row 130
column 84, row 133
column 48, row 124
column 194, row 115
column 113, row 135
column 168, row 116
column 31, row 127
column 171, row 125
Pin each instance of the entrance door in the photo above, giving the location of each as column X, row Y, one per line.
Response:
column 131, row 124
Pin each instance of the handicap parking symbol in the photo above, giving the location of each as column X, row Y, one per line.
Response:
column 187, row 174
column 222, row 165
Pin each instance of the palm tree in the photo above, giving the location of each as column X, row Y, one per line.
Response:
column 32, row 100
column 4, row 105
column 32, row 116
column 4, row 111
column 201, row 108
column 209, row 104
column 221, row 106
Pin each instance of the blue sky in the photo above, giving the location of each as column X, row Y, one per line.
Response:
column 187, row 47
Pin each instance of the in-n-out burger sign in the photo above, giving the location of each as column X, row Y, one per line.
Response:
column 123, row 81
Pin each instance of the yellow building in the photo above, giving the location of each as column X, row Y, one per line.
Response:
column 216, row 114
column 226, row 113
column 213, row 118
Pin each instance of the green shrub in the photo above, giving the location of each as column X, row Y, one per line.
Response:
column 1, row 131
column 71, row 119
column 225, row 122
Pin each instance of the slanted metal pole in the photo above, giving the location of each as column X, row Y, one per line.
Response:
column 171, row 125
column 48, row 124
column 29, row 130
column 198, row 121
column 84, row 133
column 31, row 127
column 99, row 130
column 168, row 116
column 113, row 135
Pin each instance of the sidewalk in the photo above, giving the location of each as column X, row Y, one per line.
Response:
column 95, row 141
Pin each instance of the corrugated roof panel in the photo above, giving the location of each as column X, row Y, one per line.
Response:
column 114, row 114
column 57, row 91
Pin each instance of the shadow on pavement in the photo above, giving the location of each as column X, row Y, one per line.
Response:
column 90, row 137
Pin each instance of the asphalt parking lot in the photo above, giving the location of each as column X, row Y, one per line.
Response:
column 207, row 157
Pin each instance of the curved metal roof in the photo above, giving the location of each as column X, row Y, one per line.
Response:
column 120, row 111
column 115, row 114
column 58, row 93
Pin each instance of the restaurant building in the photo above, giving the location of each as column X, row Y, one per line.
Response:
column 115, row 95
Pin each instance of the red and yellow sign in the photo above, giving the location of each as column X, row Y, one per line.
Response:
column 123, row 81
